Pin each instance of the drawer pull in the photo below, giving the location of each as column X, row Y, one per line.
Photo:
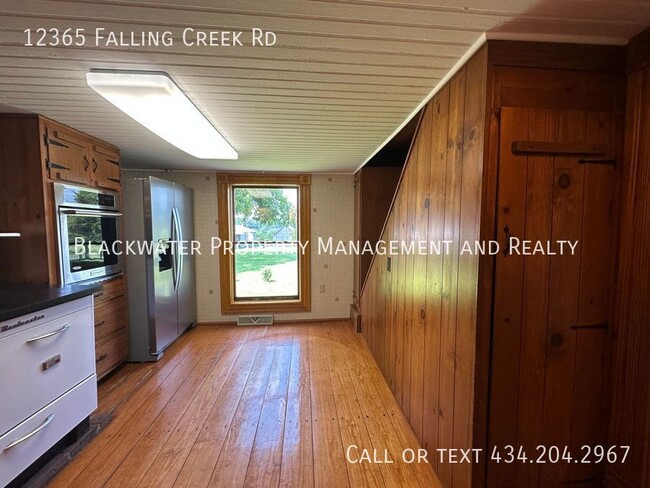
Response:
column 50, row 334
column 100, row 324
column 98, row 294
column 50, row 363
column 101, row 358
column 32, row 433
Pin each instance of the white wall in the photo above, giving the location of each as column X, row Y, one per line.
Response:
column 332, row 199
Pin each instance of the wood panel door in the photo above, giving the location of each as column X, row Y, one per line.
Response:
column 105, row 167
column 551, row 312
column 67, row 156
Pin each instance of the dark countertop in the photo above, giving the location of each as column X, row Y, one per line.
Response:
column 24, row 299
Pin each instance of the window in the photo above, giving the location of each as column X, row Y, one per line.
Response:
column 264, row 221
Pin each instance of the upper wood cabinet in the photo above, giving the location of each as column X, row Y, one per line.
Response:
column 75, row 157
column 105, row 167
column 67, row 155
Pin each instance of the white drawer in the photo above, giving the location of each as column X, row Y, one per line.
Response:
column 63, row 414
column 24, row 322
column 39, row 364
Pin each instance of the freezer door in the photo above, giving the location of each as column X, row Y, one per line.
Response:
column 137, row 227
column 184, row 203
column 163, row 328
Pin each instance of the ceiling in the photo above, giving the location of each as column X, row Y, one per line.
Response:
column 342, row 77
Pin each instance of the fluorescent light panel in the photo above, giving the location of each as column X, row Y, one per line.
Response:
column 155, row 101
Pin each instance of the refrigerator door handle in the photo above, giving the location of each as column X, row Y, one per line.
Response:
column 181, row 238
column 174, row 253
column 178, row 261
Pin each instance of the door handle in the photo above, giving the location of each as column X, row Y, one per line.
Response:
column 86, row 163
column 49, row 334
column 32, row 433
column 178, row 257
column 94, row 166
column 174, row 249
column 90, row 213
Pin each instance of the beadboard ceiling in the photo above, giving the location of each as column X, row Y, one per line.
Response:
column 342, row 77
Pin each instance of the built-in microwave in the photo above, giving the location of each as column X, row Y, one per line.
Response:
column 89, row 223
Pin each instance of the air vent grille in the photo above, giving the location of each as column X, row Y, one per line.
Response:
column 255, row 320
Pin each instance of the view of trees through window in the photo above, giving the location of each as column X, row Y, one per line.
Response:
column 265, row 233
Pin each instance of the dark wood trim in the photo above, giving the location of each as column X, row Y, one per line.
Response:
column 586, row 57
column 226, row 273
column 629, row 423
column 485, row 297
column 638, row 52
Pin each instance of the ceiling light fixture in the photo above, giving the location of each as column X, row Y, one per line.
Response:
column 155, row 101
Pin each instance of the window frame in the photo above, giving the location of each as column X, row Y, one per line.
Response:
column 225, row 208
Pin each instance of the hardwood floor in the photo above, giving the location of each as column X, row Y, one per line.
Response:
column 255, row 407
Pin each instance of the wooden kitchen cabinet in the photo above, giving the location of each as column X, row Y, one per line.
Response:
column 66, row 155
column 110, row 352
column 105, row 167
column 77, row 158
column 111, row 326
column 110, row 318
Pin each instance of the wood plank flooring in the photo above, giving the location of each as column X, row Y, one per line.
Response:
column 251, row 407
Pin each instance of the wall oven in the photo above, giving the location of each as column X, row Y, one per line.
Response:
column 89, row 224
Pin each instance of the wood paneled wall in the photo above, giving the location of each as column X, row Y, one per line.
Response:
column 430, row 320
column 630, row 412
column 24, row 208
column 419, row 311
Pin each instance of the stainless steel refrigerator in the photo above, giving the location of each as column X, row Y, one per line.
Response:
column 160, row 284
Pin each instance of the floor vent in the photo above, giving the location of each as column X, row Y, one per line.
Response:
column 255, row 320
